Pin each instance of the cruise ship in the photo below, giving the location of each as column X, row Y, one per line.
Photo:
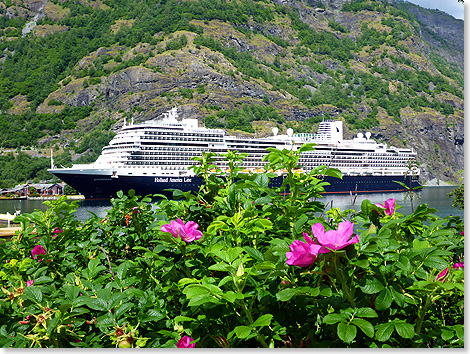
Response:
column 155, row 156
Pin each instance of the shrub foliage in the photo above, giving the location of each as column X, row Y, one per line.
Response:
column 120, row 281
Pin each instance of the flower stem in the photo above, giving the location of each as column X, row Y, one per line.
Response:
column 259, row 338
column 344, row 286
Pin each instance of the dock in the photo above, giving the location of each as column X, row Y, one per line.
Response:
column 8, row 231
column 9, row 217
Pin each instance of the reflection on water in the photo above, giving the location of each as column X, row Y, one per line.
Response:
column 435, row 197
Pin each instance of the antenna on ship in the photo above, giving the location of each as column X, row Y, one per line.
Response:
column 52, row 159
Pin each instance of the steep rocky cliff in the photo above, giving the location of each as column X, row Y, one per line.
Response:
column 205, row 80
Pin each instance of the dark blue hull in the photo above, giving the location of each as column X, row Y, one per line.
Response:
column 94, row 187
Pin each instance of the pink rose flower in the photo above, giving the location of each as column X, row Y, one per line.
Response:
column 37, row 250
column 334, row 239
column 389, row 206
column 185, row 342
column 188, row 232
column 29, row 283
column 303, row 254
column 57, row 231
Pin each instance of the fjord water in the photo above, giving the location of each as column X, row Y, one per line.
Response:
column 434, row 197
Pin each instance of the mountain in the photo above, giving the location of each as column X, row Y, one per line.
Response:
column 72, row 71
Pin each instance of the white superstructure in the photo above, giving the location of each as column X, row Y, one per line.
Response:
column 165, row 147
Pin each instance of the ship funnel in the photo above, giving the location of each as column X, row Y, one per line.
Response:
column 360, row 135
column 368, row 134
column 290, row 132
column 275, row 131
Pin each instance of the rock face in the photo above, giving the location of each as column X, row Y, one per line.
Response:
column 198, row 79
column 441, row 30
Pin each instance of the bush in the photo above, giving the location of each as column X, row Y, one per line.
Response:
column 238, row 264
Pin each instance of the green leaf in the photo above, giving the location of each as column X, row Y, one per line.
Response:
column 365, row 326
column 104, row 321
column 299, row 224
column 346, row 332
column 383, row 331
column 288, row 293
column 405, row 330
column 123, row 309
column 179, row 319
column 185, row 281
column 233, row 253
column 419, row 245
column 242, row 331
column 333, row 318
column 263, row 200
column 128, row 282
column 52, row 325
column 230, row 296
column 43, row 279
column 459, row 330
column 262, row 225
column 404, row 263
column 383, row 300
column 33, row 293
column 217, row 225
column 116, row 298
column 263, row 321
column 202, row 299
column 366, row 312
column 306, row 147
column 222, row 267
column 194, row 290
column 96, row 304
column 153, row 315
column 254, row 253
column 71, row 292
column 397, row 296
column 447, row 334
column 122, row 270
column 372, row 286
column 436, row 262
column 263, row 181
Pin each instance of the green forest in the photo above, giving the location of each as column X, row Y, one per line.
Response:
column 35, row 66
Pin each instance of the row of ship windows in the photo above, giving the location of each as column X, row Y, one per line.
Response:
column 182, row 139
column 148, row 160
column 184, row 134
